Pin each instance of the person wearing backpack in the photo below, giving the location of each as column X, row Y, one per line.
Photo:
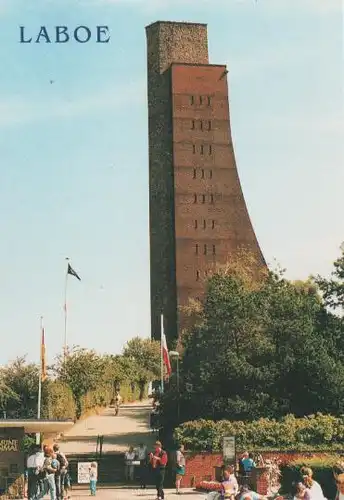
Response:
column 158, row 460
column 60, row 475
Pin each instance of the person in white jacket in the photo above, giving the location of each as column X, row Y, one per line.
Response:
column 314, row 489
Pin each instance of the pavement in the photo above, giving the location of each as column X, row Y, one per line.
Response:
column 130, row 427
column 128, row 493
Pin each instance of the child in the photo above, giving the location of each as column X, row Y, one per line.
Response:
column 54, row 462
column 93, row 478
column 229, row 485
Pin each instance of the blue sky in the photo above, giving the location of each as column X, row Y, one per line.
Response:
column 74, row 159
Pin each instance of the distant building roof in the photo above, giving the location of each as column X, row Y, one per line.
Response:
column 32, row 426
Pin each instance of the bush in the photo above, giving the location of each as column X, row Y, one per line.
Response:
column 322, row 473
column 289, row 433
column 58, row 401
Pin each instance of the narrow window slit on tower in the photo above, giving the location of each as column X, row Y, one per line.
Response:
column 200, row 100
column 203, row 198
column 205, row 250
column 195, row 198
column 196, row 249
column 209, row 125
column 196, row 225
column 192, row 100
column 209, row 100
column 194, row 173
column 197, row 275
column 211, row 198
column 210, row 149
column 204, row 224
column 193, row 124
column 212, row 224
column 202, row 173
column 214, row 250
column 193, row 148
column 210, row 174
column 202, row 149
column 201, row 125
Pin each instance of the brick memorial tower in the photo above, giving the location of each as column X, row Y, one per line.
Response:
column 198, row 215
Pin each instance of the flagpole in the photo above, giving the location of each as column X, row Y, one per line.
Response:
column 38, row 435
column 162, row 354
column 65, row 312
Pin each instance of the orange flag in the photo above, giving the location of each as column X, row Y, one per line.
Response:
column 43, row 358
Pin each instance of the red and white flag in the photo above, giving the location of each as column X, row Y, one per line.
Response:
column 165, row 355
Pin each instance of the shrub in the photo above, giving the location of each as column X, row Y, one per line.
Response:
column 289, row 433
column 58, row 401
column 322, row 473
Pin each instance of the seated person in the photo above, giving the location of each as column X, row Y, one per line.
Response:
column 229, row 485
column 246, row 493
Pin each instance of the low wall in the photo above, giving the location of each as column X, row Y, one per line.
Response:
column 201, row 466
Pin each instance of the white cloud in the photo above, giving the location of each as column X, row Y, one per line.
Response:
column 17, row 111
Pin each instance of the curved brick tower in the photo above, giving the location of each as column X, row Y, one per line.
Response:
column 198, row 215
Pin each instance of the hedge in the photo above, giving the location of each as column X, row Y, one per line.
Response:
column 322, row 473
column 289, row 433
column 58, row 401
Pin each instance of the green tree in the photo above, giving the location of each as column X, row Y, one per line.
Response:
column 254, row 338
column 6, row 393
column 333, row 288
column 83, row 371
column 22, row 378
column 144, row 358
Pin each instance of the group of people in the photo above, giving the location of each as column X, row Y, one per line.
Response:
column 47, row 472
column 230, row 489
column 153, row 464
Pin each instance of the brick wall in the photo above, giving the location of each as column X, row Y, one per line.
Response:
column 201, row 466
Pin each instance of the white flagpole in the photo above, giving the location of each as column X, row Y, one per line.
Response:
column 65, row 315
column 162, row 354
column 38, row 435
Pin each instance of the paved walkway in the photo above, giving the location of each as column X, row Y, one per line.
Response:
column 130, row 427
column 125, row 494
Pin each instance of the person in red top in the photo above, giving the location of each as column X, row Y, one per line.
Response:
column 158, row 460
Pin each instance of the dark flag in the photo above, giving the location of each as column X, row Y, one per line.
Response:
column 71, row 271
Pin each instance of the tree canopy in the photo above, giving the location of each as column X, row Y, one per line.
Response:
column 81, row 380
column 261, row 347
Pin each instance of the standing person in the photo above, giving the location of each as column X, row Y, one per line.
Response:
column 49, row 469
column 229, row 485
column 93, row 478
column 60, row 476
column 180, row 467
column 159, row 461
column 35, row 463
column 129, row 467
column 141, row 454
column 248, row 463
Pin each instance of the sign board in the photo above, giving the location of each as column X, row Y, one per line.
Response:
column 188, row 387
column 228, row 449
column 84, row 472
column 9, row 445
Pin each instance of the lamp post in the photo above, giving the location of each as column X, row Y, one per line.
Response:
column 175, row 354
